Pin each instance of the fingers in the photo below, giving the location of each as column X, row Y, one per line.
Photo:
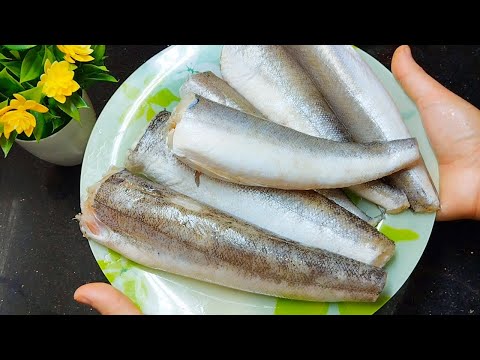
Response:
column 414, row 80
column 105, row 299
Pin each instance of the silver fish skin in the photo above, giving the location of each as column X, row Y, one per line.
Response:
column 389, row 196
column 241, row 148
column 213, row 88
column 165, row 230
column 366, row 109
column 339, row 198
column 273, row 81
column 302, row 216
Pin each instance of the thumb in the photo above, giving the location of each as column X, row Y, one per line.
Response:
column 418, row 85
column 105, row 299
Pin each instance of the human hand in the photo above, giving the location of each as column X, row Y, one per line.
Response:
column 453, row 128
column 105, row 299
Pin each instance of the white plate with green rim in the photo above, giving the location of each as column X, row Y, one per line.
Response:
column 153, row 87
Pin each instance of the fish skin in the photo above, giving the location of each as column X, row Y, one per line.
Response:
column 213, row 88
column 161, row 229
column 366, row 109
column 339, row 198
column 302, row 216
column 273, row 82
column 244, row 149
column 378, row 191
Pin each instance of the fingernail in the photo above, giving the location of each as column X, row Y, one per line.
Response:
column 407, row 50
column 81, row 299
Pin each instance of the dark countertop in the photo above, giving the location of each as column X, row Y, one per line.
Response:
column 44, row 258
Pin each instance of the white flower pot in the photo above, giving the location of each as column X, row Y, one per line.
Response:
column 67, row 146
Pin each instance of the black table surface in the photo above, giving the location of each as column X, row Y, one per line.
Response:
column 44, row 258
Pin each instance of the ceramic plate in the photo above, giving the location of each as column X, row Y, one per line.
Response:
column 153, row 87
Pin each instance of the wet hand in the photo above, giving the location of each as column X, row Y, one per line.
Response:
column 453, row 128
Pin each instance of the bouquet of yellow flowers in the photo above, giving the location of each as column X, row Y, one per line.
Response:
column 41, row 85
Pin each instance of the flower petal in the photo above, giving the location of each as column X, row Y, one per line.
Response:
column 75, row 86
column 39, row 108
column 4, row 110
column 15, row 103
column 7, row 129
column 60, row 98
column 30, row 120
column 83, row 58
column 19, row 98
column 82, row 49
column 28, row 131
column 68, row 58
column 58, row 81
column 29, row 104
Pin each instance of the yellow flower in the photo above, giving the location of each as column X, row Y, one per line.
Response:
column 57, row 82
column 76, row 52
column 15, row 116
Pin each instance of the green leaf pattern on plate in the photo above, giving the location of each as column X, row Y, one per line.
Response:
column 396, row 235
column 118, row 270
column 156, row 102
column 294, row 307
column 355, row 308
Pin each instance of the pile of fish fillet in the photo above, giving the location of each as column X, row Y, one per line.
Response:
column 242, row 185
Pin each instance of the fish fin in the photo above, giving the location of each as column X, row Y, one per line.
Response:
column 197, row 177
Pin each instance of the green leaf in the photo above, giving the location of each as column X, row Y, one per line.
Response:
column 60, row 56
column 50, row 116
column 3, row 104
column 69, row 108
column 8, row 84
column 102, row 77
column 19, row 47
column 90, row 68
column 88, row 74
column 49, row 54
column 87, row 71
column 14, row 66
column 32, row 64
column 52, row 103
column 78, row 101
column 15, row 53
column 6, row 144
column 3, row 57
column 57, row 122
column 39, row 128
column 54, row 120
column 33, row 94
column 98, row 52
